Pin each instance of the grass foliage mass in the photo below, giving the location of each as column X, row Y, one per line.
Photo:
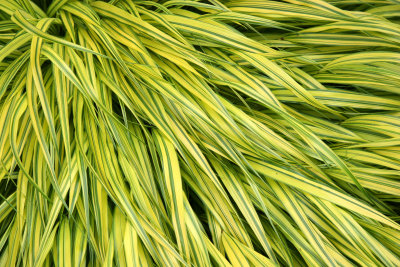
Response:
column 200, row 133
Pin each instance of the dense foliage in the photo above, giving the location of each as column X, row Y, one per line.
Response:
column 200, row 133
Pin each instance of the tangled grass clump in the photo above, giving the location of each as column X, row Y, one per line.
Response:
column 200, row 133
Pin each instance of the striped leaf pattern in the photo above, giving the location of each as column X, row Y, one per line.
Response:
column 200, row 133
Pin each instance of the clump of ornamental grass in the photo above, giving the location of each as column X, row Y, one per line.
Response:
column 199, row 133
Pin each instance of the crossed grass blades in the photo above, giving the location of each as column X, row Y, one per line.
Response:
column 199, row 133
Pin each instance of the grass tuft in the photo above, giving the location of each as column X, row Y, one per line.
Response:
column 200, row 133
